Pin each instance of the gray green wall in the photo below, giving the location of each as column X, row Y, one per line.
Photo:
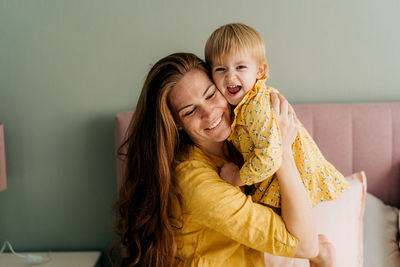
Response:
column 67, row 67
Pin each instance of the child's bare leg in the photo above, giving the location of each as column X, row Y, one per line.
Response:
column 326, row 256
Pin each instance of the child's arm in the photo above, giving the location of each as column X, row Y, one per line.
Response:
column 230, row 173
column 265, row 154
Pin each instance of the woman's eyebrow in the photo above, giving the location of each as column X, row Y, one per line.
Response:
column 182, row 108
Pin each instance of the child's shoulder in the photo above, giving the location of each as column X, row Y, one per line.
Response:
column 262, row 90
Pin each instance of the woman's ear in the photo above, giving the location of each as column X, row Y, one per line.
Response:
column 179, row 126
column 262, row 71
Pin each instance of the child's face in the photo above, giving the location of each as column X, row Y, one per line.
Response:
column 235, row 75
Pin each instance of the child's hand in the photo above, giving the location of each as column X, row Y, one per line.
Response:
column 231, row 174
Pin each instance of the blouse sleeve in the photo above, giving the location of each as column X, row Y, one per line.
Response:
column 212, row 202
column 265, row 154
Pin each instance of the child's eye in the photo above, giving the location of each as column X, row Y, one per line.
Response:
column 220, row 69
column 211, row 95
column 241, row 67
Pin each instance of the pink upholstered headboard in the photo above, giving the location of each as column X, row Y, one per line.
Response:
column 354, row 137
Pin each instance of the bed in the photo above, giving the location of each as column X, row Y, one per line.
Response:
column 362, row 140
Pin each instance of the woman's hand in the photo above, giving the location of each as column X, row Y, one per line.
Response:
column 326, row 256
column 287, row 121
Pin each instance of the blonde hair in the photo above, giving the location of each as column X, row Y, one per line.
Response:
column 234, row 37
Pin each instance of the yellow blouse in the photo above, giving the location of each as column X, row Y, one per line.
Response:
column 256, row 134
column 221, row 225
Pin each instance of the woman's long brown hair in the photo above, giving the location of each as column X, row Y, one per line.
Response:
column 143, row 208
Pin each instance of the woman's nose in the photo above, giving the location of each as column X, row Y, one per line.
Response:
column 207, row 110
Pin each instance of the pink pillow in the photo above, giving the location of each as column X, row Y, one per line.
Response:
column 341, row 220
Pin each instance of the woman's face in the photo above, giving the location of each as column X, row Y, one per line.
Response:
column 200, row 109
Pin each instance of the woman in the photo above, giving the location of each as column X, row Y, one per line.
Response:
column 173, row 208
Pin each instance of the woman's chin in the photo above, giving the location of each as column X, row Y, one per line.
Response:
column 224, row 132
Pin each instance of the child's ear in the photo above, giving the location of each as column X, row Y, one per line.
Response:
column 262, row 71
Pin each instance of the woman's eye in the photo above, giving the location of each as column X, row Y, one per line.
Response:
column 211, row 95
column 189, row 113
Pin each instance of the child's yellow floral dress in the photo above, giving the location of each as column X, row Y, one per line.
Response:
column 255, row 133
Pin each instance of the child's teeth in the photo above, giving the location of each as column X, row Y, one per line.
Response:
column 233, row 89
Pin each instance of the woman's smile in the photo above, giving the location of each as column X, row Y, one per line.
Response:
column 216, row 123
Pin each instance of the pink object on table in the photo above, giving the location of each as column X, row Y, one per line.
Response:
column 3, row 171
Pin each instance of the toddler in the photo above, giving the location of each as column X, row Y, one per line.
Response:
column 236, row 55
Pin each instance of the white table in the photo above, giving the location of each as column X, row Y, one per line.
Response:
column 58, row 259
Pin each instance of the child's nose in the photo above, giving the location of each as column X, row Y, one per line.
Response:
column 230, row 75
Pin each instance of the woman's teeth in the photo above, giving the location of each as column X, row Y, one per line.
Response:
column 215, row 124
column 234, row 89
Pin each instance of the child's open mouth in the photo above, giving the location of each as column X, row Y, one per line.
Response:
column 234, row 89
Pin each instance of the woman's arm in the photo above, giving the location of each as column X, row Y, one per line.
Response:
column 296, row 208
column 295, row 204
